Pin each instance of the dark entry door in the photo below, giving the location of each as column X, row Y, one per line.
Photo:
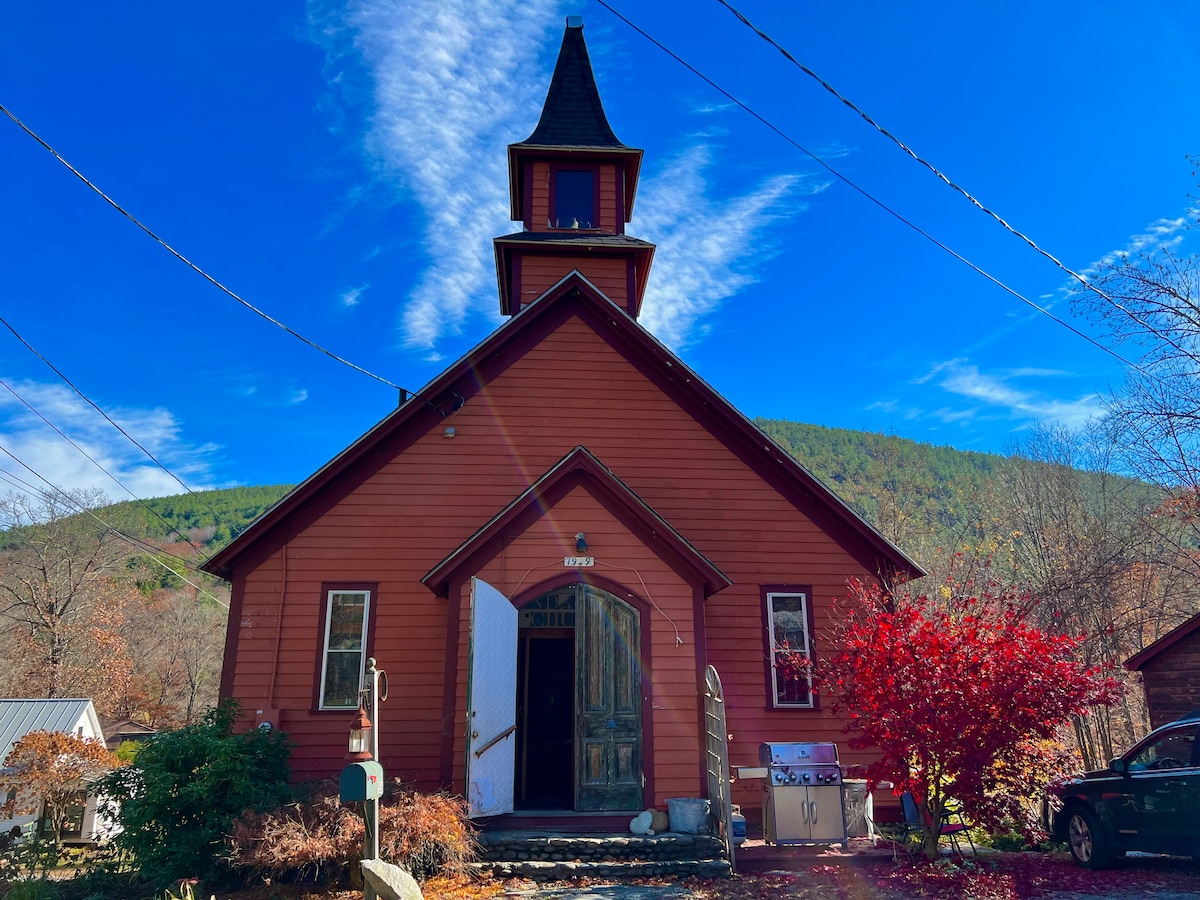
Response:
column 608, row 719
column 546, row 714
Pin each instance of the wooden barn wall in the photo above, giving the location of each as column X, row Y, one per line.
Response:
column 571, row 389
column 535, row 556
column 1172, row 681
column 610, row 274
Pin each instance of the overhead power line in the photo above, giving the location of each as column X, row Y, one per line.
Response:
column 871, row 197
column 22, row 484
column 1087, row 285
column 88, row 400
column 404, row 392
column 93, row 461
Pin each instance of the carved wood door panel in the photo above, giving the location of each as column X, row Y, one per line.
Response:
column 608, row 722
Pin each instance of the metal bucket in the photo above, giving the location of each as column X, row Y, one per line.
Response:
column 688, row 815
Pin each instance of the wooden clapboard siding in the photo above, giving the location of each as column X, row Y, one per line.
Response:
column 572, row 388
column 1170, row 670
column 609, row 221
column 609, row 273
column 539, row 209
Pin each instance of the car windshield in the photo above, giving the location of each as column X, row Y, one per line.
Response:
column 1172, row 750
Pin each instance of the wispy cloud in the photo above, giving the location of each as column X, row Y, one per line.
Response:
column 999, row 393
column 36, row 445
column 707, row 247
column 1161, row 233
column 351, row 296
column 455, row 81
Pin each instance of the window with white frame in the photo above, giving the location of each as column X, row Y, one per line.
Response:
column 791, row 660
column 345, row 648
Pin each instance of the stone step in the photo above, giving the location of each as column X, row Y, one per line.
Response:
column 543, row 870
column 517, row 846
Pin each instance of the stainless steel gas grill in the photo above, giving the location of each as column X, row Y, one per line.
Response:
column 802, row 793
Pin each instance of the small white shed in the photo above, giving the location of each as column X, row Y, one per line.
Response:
column 18, row 717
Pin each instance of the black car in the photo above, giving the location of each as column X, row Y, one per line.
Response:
column 1148, row 800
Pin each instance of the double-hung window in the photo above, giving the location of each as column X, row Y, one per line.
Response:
column 344, row 654
column 790, row 648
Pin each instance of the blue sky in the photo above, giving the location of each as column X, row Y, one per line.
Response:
column 341, row 166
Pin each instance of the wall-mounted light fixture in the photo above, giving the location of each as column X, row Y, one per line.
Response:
column 580, row 543
column 450, row 432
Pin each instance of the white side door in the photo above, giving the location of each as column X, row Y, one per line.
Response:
column 491, row 702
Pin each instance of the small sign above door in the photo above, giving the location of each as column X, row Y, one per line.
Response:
column 579, row 562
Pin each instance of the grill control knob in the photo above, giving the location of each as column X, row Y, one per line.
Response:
column 806, row 776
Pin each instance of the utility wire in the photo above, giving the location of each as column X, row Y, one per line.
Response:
column 404, row 393
column 93, row 461
column 22, row 484
column 109, row 419
column 869, row 196
column 1088, row 285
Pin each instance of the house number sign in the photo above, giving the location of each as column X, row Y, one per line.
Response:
column 579, row 562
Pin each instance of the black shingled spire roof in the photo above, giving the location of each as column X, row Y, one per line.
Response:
column 573, row 115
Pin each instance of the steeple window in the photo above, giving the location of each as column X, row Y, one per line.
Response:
column 574, row 200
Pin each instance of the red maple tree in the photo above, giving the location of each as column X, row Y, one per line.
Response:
column 954, row 694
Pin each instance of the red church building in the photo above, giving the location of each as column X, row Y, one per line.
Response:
column 547, row 546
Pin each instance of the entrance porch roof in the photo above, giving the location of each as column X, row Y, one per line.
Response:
column 580, row 467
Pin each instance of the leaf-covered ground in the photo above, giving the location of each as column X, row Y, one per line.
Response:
column 1000, row 876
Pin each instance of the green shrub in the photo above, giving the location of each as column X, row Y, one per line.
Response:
column 33, row 856
column 176, row 802
column 106, row 885
column 32, row 889
column 1009, row 841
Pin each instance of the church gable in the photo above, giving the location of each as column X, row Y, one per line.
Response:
column 537, row 506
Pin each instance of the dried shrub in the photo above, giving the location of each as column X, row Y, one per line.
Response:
column 297, row 840
column 426, row 833
column 429, row 834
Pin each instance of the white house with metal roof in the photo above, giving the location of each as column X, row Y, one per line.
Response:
column 19, row 717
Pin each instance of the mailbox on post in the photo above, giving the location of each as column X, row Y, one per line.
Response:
column 361, row 781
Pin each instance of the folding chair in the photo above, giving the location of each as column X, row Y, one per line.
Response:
column 954, row 829
column 901, row 834
column 946, row 828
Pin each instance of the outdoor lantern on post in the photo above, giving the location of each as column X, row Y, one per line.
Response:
column 360, row 736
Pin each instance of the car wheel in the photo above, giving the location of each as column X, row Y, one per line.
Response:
column 1088, row 842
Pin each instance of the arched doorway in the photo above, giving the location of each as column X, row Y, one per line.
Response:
column 579, row 702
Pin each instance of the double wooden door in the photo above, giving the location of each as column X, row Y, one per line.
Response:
column 605, row 691
column 608, row 715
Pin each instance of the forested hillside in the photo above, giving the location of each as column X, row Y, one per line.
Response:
column 108, row 602
column 208, row 518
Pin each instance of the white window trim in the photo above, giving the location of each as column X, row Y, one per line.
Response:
column 325, row 651
column 804, row 599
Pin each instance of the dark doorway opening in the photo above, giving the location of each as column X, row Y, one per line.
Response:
column 546, row 718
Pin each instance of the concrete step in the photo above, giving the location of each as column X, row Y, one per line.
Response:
column 523, row 846
column 562, row 870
